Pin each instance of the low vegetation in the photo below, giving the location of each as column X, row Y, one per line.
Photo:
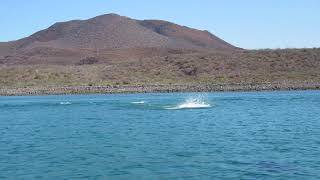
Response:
column 259, row 66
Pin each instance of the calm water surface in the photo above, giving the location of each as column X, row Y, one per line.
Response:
column 256, row 135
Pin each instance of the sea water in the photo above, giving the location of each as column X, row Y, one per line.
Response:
column 241, row 135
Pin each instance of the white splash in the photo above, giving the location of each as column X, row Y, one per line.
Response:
column 65, row 103
column 138, row 102
column 191, row 103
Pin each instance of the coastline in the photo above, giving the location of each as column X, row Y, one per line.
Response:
column 163, row 88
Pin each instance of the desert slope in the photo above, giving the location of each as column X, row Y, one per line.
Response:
column 106, row 37
column 112, row 50
column 112, row 31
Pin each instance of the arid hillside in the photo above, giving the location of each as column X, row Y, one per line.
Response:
column 122, row 37
column 116, row 50
column 254, row 67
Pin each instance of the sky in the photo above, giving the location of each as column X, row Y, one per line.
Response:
column 250, row 24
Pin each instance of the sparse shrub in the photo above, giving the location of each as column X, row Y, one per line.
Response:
column 190, row 71
column 37, row 77
column 88, row 61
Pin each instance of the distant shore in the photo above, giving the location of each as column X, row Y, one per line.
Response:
column 111, row 89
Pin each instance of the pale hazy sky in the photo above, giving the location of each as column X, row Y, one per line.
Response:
column 249, row 24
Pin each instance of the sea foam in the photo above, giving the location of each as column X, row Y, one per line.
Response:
column 65, row 103
column 138, row 102
column 191, row 103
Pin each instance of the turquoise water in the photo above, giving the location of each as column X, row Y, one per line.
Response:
column 254, row 135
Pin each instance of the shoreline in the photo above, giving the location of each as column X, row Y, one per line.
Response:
column 163, row 88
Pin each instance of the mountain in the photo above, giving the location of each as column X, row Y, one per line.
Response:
column 74, row 39
column 116, row 50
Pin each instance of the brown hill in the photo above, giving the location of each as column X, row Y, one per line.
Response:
column 113, row 50
column 109, row 32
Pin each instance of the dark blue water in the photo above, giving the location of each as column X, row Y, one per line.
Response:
column 264, row 135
